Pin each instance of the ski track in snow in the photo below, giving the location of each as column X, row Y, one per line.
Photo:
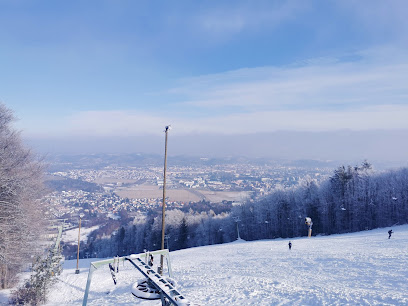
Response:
column 364, row 268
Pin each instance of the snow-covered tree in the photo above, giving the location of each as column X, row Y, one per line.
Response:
column 21, row 214
column 34, row 290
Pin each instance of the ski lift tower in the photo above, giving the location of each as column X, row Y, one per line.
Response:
column 79, row 240
column 309, row 223
column 167, row 237
column 237, row 219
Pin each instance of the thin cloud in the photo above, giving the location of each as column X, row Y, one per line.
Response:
column 115, row 123
column 227, row 20
column 323, row 95
column 377, row 18
column 313, row 84
column 125, row 123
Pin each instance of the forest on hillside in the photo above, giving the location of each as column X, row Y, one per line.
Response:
column 352, row 199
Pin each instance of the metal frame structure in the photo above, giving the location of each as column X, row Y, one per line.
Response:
column 97, row 264
column 168, row 294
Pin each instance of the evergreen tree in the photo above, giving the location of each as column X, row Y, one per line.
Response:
column 34, row 290
column 183, row 234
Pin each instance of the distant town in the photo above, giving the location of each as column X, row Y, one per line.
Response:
column 109, row 190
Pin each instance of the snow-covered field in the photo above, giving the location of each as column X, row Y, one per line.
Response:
column 363, row 268
column 71, row 236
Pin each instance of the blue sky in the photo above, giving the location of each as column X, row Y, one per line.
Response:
column 83, row 69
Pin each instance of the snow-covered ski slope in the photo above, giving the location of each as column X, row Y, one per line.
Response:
column 364, row 268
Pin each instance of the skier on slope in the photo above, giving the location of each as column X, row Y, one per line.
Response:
column 290, row 245
column 389, row 233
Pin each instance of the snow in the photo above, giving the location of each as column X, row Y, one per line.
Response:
column 71, row 236
column 364, row 268
column 4, row 296
column 113, row 216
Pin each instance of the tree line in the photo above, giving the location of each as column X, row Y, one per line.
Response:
column 352, row 199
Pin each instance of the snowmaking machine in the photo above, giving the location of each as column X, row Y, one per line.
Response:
column 309, row 223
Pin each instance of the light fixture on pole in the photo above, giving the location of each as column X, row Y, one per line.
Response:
column 166, row 130
column 79, row 239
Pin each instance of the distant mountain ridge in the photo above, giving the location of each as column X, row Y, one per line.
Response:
column 102, row 160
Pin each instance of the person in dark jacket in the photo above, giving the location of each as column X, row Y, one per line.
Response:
column 290, row 245
column 389, row 233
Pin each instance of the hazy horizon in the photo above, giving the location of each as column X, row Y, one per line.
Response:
column 382, row 146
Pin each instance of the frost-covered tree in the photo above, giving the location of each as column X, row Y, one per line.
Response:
column 21, row 214
column 34, row 290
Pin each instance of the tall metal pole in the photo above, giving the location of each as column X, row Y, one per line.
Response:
column 166, row 130
column 79, row 231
